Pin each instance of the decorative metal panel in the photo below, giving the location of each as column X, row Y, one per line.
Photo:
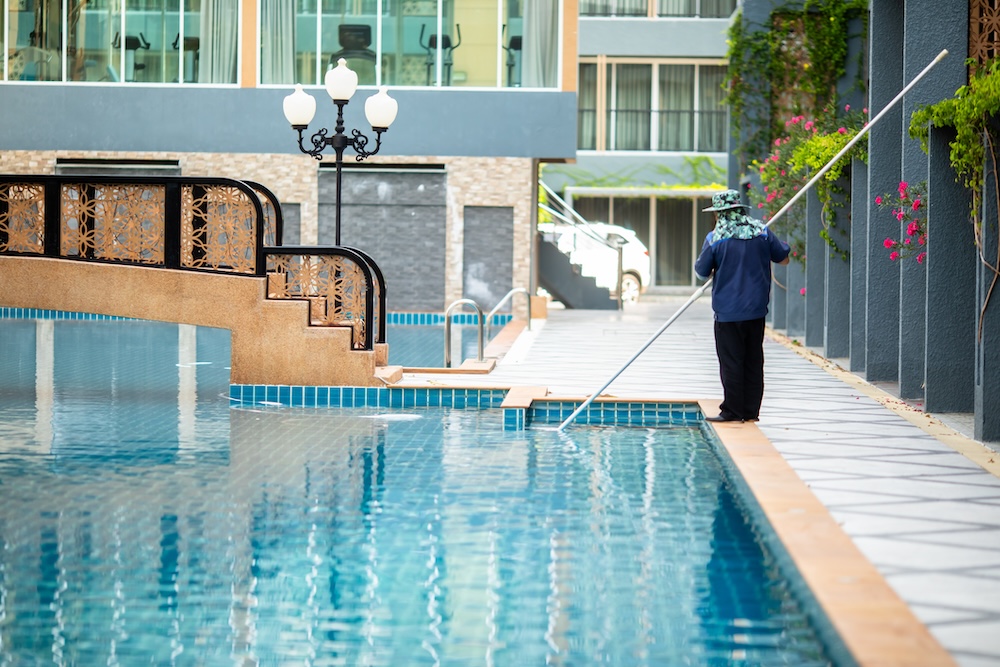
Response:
column 984, row 30
column 218, row 228
column 22, row 218
column 122, row 222
column 335, row 286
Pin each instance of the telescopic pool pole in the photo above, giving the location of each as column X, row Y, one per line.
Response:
column 781, row 212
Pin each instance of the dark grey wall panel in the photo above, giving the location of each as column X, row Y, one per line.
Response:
column 406, row 240
column 484, row 123
column 488, row 255
column 689, row 38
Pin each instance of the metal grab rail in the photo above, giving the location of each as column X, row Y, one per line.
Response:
column 447, row 329
column 505, row 299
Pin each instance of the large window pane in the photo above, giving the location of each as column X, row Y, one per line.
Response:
column 631, row 107
column 676, row 7
column 717, row 9
column 513, row 43
column 633, row 213
column 475, row 60
column 587, row 109
column 676, row 122
column 613, row 7
column 593, row 209
column 34, row 35
column 218, row 41
column 674, row 254
column 540, row 63
column 712, row 127
column 278, row 57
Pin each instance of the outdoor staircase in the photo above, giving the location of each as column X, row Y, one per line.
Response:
column 566, row 282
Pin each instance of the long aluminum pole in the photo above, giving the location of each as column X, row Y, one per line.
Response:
column 781, row 212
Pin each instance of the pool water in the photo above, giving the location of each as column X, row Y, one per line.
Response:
column 422, row 346
column 146, row 521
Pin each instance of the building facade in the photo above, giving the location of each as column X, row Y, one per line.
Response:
column 652, row 130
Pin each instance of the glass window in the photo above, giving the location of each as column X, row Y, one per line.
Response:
column 676, row 117
column 613, row 7
column 633, row 213
column 717, row 9
column 630, row 95
column 674, row 243
column 151, row 41
column 676, row 7
column 593, row 209
column 587, row 107
column 713, row 130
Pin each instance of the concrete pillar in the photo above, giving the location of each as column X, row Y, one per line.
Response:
column 815, row 268
column 949, row 23
column 860, row 198
column 884, row 165
column 987, row 393
column 837, row 278
column 951, row 285
column 795, row 303
column 779, row 297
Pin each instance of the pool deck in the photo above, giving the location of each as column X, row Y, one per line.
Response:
column 913, row 493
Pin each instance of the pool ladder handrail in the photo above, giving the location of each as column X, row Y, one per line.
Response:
column 505, row 299
column 447, row 329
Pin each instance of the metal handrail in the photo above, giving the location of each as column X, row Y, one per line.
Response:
column 507, row 297
column 447, row 329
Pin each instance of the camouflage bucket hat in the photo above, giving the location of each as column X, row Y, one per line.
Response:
column 725, row 200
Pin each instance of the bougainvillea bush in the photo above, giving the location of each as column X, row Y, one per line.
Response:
column 908, row 210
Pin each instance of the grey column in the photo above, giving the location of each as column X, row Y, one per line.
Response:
column 951, row 285
column 816, row 251
column 837, row 301
column 987, row 393
column 884, row 168
column 795, row 304
column 860, row 198
column 949, row 23
column 778, row 297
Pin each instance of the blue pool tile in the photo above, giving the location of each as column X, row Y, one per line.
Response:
column 297, row 394
column 284, row 394
column 309, row 397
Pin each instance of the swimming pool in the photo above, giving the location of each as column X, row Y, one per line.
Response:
column 416, row 340
column 144, row 519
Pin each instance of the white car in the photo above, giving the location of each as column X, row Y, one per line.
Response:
column 594, row 249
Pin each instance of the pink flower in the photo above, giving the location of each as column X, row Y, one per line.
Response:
column 782, row 172
column 902, row 187
column 900, row 215
column 842, row 130
column 847, row 107
column 916, row 203
column 760, row 205
column 865, row 111
column 802, row 291
column 921, row 257
column 922, row 239
column 912, row 228
column 893, row 256
column 906, row 241
column 888, row 243
column 777, row 142
column 808, row 125
column 878, row 200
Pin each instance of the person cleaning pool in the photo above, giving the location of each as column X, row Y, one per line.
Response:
column 737, row 255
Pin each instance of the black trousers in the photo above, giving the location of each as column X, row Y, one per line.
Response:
column 740, row 346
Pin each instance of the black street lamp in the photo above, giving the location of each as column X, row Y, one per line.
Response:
column 341, row 82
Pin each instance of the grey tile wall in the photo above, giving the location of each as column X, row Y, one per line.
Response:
column 488, row 254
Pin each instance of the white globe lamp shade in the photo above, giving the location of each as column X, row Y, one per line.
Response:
column 380, row 109
column 341, row 81
column 300, row 107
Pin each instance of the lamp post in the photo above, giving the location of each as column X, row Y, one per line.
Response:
column 341, row 82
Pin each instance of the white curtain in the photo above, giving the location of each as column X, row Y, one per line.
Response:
column 712, row 130
column 277, row 41
column 676, row 107
column 587, row 107
column 632, row 107
column 218, row 41
column 540, row 57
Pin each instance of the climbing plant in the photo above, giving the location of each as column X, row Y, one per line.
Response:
column 789, row 67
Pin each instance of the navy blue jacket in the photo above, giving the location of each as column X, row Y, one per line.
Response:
column 741, row 286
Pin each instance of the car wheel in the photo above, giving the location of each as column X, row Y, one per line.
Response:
column 630, row 288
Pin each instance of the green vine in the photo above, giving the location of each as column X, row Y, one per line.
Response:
column 801, row 55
